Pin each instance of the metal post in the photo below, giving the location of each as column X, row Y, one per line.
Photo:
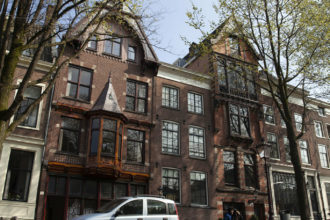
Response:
column 270, row 202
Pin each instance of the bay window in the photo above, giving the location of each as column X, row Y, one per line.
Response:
column 239, row 120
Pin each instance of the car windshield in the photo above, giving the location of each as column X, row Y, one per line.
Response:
column 110, row 205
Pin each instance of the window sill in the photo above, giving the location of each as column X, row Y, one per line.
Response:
column 321, row 137
column 112, row 55
column 12, row 200
column 131, row 61
column 171, row 154
column 27, row 127
column 134, row 112
column 78, row 100
column 197, row 158
column 200, row 206
column 167, row 107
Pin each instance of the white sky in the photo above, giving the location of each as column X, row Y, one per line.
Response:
column 172, row 26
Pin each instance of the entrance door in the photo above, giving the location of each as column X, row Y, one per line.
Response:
column 55, row 208
column 235, row 205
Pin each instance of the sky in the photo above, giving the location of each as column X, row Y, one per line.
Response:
column 172, row 26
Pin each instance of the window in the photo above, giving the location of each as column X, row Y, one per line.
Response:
column 198, row 188
column 195, row 103
column 92, row 43
column 170, row 97
column 170, row 138
column 135, row 146
column 272, row 140
column 318, row 129
column 327, row 189
column 171, row 184
column 283, row 125
column 239, row 120
column 69, row 135
column 222, row 79
column 285, row 190
column 313, row 196
column 250, row 171
column 30, row 95
column 120, row 190
column 304, row 151
column 136, row 96
column 230, row 167
column 79, row 83
column 134, row 207
column 328, row 128
column 321, row 111
column 111, row 141
column 196, row 142
column 156, row 207
column 131, row 53
column 298, row 120
column 137, row 189
column 18, row 176
column 323, row 151
column 287, row 149
column 269, row 115
column 234, row 46
column 236, row 79
column 112, row 46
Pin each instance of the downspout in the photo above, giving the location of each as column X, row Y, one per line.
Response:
column 320, row 186
column 43, row 149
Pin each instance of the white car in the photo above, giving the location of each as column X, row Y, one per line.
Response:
column 135, row 208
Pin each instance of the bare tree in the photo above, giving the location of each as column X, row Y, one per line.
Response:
column 292, row 37
column 33, row 28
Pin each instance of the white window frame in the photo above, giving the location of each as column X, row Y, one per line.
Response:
column 321, row 127
column 204, row 148
column 206, row 189
column 295, row 121
column 264, row 111
column 307, row 151
column 179, row 138
column 171, row 168
column 318, row 111
column 202, row 102
column 37, row 128
column 326, row 154
column 178, row 97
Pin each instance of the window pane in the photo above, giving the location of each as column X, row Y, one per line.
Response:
column 18, row 175
column 130, row 89
column 131, row 53
column 198, row 188
column 130, row 103
column 71, row 90
column 170, row 138
column 84, row 93
column 70, row 141
column 95, row 141
column 116, row 49
column 132, row 208
column 90, row 189
column 73, row 75
column 156, row 207
column 141, row 105
column 171, row 184
column 109, row 125
column 85, row 77
column 75, row 187
column 106, row 190
column 120, row 190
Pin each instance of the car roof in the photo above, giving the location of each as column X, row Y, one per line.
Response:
column 147, row 197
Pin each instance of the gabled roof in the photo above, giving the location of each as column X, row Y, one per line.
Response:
column 107, row 101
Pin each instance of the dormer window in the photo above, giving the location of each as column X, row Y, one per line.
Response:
column 112, row 46
column 92, row 43
column 234, row 46
column 106, row 137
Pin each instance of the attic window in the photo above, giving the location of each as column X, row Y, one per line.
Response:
column 234, row 46
column 92, row 43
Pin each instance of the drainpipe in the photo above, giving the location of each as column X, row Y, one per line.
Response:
column 44, row 147
column 320, row 186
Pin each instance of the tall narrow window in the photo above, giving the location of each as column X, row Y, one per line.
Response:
column 79, row 83
column 112, row 46
column 170, row 97
column 321, row 111
column 92, row 43
column 298, row 121
column 324, row 159
column 222, row 79
column 272, row 140
column 304, row 153
column 195, row 103
column 109, row 137
column 269, row 114
column 328, row 129
column 198, row 188
column 95, row 136
column 136, row 96
column 135, row 145
column 234, row 46
column 18, row 175
column 318, row 129
column 287, row 149
column 250, row 171
column 171, row 184
column 131, row 53
column 196, row 142
column 327, row 189
column 230, row 167
column 239, row 120
column 30, row 95
column 313, row 196
column 170, row 137
column 69, row 135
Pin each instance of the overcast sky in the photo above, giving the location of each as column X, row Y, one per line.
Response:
column 172, row 26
